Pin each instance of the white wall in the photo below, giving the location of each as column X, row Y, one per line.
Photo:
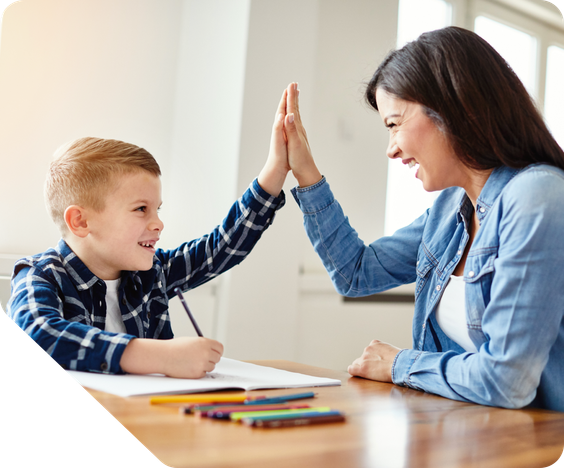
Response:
column 74, row 68
column 196, row 82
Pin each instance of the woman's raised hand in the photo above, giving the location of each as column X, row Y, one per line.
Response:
column 300, row 159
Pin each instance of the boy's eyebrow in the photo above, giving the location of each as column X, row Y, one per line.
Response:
column 144, row 202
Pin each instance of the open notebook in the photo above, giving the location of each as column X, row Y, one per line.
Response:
column 228, row 374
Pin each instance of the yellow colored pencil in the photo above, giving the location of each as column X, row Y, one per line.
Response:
column 199, row 399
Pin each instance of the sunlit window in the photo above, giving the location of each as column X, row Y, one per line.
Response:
column 554, row 97
column 418, row 16
column 518, row 48
column 405, row 197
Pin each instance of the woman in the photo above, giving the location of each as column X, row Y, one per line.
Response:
column 488, row 257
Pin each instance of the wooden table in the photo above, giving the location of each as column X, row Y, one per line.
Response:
column 387, row 426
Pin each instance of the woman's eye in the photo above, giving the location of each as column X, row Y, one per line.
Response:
column 390, row 125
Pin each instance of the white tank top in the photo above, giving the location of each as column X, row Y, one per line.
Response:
column 451, row 313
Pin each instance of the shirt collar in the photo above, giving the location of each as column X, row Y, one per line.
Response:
column 77, row 270
column 496, row 182
column 465, row 208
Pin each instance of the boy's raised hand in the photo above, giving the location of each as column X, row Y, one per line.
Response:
column 300, row 158
column 276, row 168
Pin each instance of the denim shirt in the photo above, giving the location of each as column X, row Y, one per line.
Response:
column 514, row 279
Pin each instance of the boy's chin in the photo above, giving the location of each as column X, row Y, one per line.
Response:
column 141, row 266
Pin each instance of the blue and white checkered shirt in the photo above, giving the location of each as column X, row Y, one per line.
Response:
column 61, row 304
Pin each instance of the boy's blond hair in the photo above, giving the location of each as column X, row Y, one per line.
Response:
column 85, row 170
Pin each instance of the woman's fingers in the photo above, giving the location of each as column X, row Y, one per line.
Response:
column 292, row 107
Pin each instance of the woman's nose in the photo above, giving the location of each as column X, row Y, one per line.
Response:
column 393, row 150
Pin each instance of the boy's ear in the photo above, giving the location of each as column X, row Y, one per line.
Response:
column 76, row 220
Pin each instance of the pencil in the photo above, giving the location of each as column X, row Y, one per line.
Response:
column 237, row 416
column 208, row 399
column 192, row 319
column 293, row 422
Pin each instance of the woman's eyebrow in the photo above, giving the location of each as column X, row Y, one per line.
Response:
column 390, row 117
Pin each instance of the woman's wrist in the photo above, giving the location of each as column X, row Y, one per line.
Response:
column 308, row 177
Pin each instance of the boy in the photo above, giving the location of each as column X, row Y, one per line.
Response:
column 95, row 301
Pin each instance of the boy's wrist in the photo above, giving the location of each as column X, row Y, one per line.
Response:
column 143, row 356
column 272, row 178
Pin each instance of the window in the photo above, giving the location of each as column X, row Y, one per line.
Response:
column 530, row 38
column 554, row 97
column 518, row 48
column 405, row 197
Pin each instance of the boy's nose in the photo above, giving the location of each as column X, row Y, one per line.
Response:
column 156, row 225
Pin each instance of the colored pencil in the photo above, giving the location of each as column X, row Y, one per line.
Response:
column 178, row 292
column 199, row 398
column 283, row 398
column 279, row 413
column 295, row 421
column 225, row 413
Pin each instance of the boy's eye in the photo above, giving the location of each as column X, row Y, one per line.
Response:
column 142, row 209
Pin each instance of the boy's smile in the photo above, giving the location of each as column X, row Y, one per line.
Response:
column 123, row 235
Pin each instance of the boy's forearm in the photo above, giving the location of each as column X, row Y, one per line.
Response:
column 144, row 356
column 272, row 179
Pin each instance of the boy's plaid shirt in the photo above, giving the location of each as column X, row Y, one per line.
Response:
column 61, row 304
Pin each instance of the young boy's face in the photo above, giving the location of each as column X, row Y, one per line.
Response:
column 123, row 235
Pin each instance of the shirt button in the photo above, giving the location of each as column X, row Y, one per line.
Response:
column 482, row 209
column 459, row 252
column 123, row 301
column 438, row 288
column 148, row 315
column 471, row 274
column 104, row 366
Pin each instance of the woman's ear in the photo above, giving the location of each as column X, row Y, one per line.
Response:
column 76, row 219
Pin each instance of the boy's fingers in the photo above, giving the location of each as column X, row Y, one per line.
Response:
column 278, row 130
column 282, row 104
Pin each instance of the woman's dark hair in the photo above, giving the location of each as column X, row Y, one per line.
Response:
column 472, row 95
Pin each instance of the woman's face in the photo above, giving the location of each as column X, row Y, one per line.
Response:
column 420, row 144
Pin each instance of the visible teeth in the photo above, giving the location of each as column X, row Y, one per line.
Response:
column 410, row 164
